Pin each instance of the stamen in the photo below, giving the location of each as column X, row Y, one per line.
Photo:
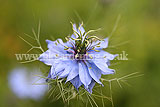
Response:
column 75, row 39
column 90, row 56
column 93, row 46
column 57, row 55
column 87, row 43
column 74, row 30
column 80, row 30
column 66, row 38
column 96, row 50
column 66, row 47
column 92, row 31
column 95, row 37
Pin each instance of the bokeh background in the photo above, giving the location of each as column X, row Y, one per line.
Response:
column 138, row 34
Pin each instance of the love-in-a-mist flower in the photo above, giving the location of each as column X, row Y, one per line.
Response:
column 81, row 60
column 21, row 83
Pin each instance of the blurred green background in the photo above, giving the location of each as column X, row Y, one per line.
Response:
column 138, row 33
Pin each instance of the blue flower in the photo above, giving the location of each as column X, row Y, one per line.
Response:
column 81, row 60
column 21, row 83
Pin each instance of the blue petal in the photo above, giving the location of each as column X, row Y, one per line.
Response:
column 68, row 43
column 107, row 55
column 60, row 42
column 74, row 71
column 56, row 46
column 49, row 74
column 60, row 66
column 74, row 27
column 76, row 82
column 108, row 71
column 78, row 31
column 75, row 34
column 101, row 64
column 81, row 29
column 84, row 74
column 104, row 55
column 90, row 87
column 46, row 58
column 94, row 71
column 52, row 72
column 103, row 44
column 65, row 72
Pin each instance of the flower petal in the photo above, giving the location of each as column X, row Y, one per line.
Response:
column 103, row 44
column 104, row 55
column 91, row 85
column 44, row 57
column 52, row 72
column 76, row 82
column 81, row 29
column 78, row 30
column 65, row 72
column 101, row 64
column 107, row 55
column 56, row 46
column 75, row 29
column 60, row 66
column 74, row 71
column 94, row 72
column 84, row 74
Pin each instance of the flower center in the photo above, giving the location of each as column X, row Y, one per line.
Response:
column 81, row 44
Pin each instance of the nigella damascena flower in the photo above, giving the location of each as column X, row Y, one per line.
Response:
column 81, row 60
column 21, row 83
